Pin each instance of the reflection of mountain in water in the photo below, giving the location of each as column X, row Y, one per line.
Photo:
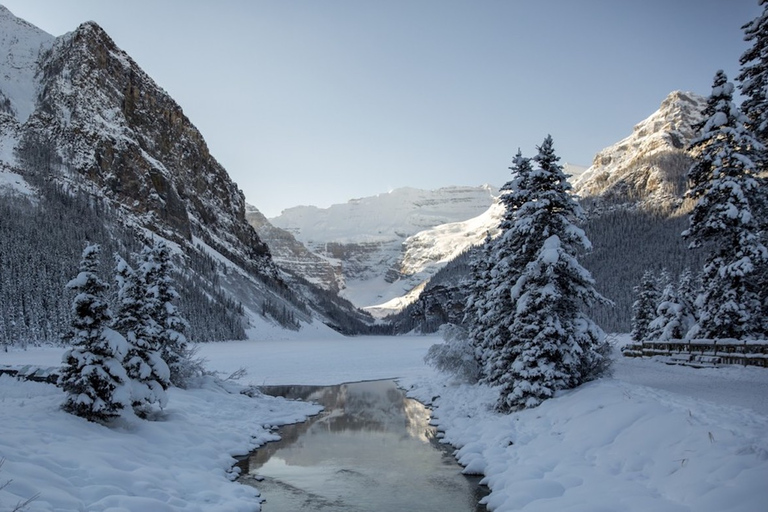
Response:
column 377, row 406
column 371, row 448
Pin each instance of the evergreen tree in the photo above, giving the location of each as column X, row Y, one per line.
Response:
column 673, row 318
column 644, row 307
column 476, row 308
column 723, row 180
column 753, row 78
column 92, row 373
column 161, row 297
column 753, row 82
column 149, row 374
column 552, row 345
column 504, row 262
column 687, row 291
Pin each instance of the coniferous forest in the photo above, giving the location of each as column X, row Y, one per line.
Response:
column 41, row 240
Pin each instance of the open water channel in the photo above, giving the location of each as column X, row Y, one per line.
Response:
column 371, row 449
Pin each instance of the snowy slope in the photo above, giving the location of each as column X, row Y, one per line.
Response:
column 12, row 183
column 430, row 250
column 396, row 214
column 20, row 47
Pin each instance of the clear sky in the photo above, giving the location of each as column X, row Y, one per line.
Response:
column 318, row 102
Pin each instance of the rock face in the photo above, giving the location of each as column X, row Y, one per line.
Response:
column 100, row 120
column 648, row 168
column 376, row 241
column 291, row 255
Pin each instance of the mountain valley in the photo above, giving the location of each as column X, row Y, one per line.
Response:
column 79, row 118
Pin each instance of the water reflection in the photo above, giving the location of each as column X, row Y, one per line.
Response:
column 371, row 449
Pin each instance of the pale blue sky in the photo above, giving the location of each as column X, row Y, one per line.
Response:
column 318, row 102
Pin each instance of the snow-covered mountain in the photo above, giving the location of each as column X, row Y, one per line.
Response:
column 428, row 251
column 376, row 240
column 20, row 46
column 77, row 114
column 649, row 166
column 633, row 191
column 380, row 251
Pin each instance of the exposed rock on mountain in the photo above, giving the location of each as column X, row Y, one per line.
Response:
column 291, row 255
column 112, row 125
column 648, row 168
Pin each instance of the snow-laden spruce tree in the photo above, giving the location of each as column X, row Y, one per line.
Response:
column 688, row 289
column 753, row 82
column 673, row 319
column 644, row 307
column 92, row 374
column 723, row 222
column 148, row 372
column 500, row 265
column 476, row 307
column 753, row 77
column 160, row 300
column 552, row 344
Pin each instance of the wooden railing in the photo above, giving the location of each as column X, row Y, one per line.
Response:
column 703, row 352
column 31, row 372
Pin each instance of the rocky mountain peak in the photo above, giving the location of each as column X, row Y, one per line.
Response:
column 649, row 165
column 101, row 121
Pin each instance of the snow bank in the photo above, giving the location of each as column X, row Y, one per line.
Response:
column 614, row 444
column 180, row 461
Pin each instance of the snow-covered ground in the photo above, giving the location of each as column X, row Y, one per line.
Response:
column 653, row 437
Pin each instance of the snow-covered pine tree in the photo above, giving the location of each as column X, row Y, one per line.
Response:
column 753, row 82
column 505, row 257
column 476, row 307
column 687, row 291
column 149, row 374
column 673, row 319
column 753, row 77
column 644, row 307
column 552, row 344
column 723, row 181
column 92, row 372
column 161, row 297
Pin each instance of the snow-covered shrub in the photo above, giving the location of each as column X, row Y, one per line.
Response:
column 189, row 368
column 455, row 355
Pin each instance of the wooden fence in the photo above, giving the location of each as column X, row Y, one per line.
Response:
column 702, row 353
column 31, row 372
